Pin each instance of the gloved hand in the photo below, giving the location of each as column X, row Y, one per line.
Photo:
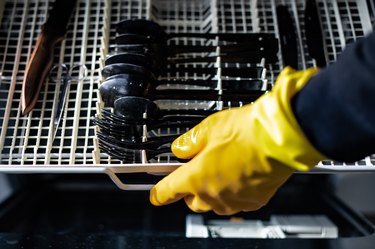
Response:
column 241, row 156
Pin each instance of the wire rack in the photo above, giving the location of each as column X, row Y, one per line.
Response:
column 26, row 143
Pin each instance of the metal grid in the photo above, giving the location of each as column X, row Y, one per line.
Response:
column 27, row 140
column 343, row 21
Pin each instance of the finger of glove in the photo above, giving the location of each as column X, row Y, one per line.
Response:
column 196, row 204
column 190, row 143
column 173, row 187
column 204, row 202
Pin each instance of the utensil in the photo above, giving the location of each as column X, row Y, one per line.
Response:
column 76, row 73
column 132, row 156
column 151, row 84
column 41, row 59
column 248, row 72
column 136, row 42
column 314, row 34
column 121, row 85
column 155, row 32
column 152, row 143
column 125, row 68
column 157, row 65
column 138, row 109
column 130, row 130
column 242, row 71
column 169, row 116
column 288, row 37
column 142, row 60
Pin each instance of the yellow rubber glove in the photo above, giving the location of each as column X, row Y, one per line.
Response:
column 241, row 156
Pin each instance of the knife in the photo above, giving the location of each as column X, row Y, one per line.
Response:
column 288, row 37
column 53, row 31
column 314, row 34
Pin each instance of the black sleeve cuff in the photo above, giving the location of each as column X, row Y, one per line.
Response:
column 336, row 109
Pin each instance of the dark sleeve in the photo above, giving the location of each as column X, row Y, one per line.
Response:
column 336, row 109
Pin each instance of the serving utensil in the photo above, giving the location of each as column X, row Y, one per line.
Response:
column 155, row 32
column 132, row 85
column 121, row 85
column 246, row 72
column 138, row 109
column 132, row 156
column 152, row 143
column 53, row 31
column 159, row 64
column 136, row 42
column 314, row 34
column 132, row 130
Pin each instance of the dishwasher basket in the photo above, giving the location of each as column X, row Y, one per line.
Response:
column 26, row 143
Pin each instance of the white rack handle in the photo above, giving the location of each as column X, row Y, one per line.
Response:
column 123, row 186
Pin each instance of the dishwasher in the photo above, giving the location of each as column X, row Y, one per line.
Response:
column 69, row 191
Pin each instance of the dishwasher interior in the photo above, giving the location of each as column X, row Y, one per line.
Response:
column 59, row 191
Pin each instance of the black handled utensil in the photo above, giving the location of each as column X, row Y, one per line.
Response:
column 53, row 31
column 125, row 68
column 152, row 143
column 288, row 37
column 252, row 72
column 130, row 130
column 139, row 85
column 122, row 85
column 163, row 118
column 131, row 156
column 314, row 34
column 158, row 65
column 133, row 109
column 245, row 71
column 140, row 43
column 156, row 33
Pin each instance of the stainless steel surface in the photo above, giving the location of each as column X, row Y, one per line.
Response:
column 26, row 142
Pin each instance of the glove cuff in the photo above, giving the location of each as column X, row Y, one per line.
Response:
column 284, row 140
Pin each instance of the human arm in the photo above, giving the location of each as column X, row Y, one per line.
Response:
column 336, row 110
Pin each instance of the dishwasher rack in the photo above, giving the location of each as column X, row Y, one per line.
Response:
column 26, row 143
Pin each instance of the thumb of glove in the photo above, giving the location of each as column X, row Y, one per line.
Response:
column 189, row 144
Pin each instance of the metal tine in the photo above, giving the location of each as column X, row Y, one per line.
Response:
column 112, row 116
column 131, row 156
column 124, row 125
column 151, row 143
column 126, row 129
column 114, row 128
column 132, row 132
column 131, row 135
column 118, row 119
